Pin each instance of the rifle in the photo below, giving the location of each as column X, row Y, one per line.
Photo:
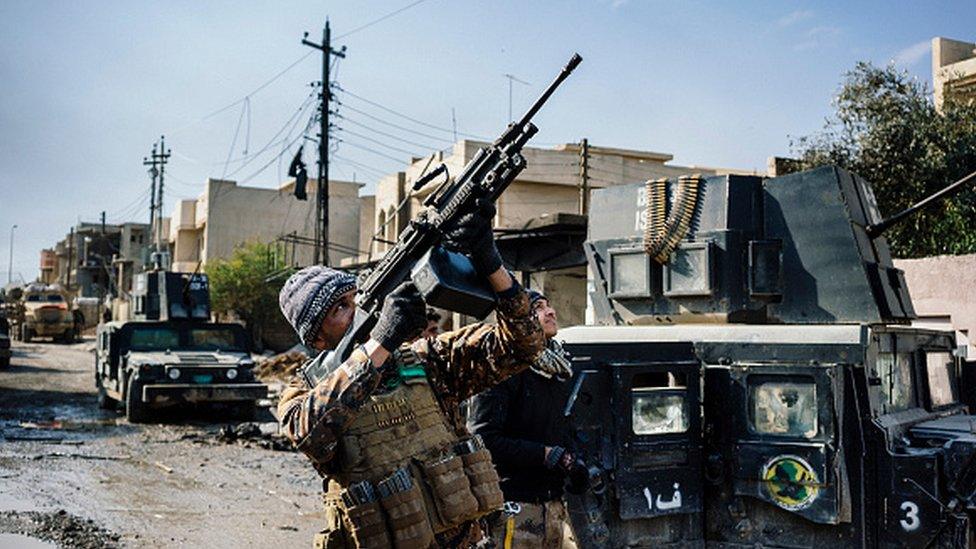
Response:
column 445, row 279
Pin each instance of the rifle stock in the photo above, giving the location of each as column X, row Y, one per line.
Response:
column 486, row 176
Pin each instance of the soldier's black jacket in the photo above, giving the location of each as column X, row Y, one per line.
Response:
column 517, row 419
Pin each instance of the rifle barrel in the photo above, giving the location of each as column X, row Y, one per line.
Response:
column 876, row 229
column 563, row 74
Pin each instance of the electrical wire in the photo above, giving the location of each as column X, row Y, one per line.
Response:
column 380, row 143
column 411, row 119
column 399, row 161
column 379, row 19
column 384, row 134
column 392, row 125
column 248, row 95
column 353, row 163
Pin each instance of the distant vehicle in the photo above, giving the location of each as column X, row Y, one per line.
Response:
column 5, row 351
column 46, row 314
column 172, row 354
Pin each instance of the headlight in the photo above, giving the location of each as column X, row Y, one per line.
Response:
column 173, row 373
column 232, row 373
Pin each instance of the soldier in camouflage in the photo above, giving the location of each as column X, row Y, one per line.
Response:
column 383, row 430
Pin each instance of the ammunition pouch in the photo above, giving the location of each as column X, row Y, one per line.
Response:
column 365, row 526
column 484, row 480
column 450, row 489
column 408, row 519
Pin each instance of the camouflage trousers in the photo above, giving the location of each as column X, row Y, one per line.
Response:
column 537, row 525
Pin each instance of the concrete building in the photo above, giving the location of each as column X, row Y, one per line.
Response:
column 953, row 69
column 544, row 207
column 227, row 215
column 943, row 290
column 95, row 260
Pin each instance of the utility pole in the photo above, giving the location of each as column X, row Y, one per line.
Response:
column 512, row 78
column 10, row 264
column 153, row 173
column 103, row 221
column 322, row 190
column 71, row 259
column 584, row 183
column 162, row 157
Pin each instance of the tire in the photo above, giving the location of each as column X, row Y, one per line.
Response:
column 136, row 410
column 4, row 362
column 26, row 334
column 244, row 411
column 105, row 402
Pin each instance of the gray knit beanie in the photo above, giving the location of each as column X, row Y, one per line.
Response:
column 308, row 294
column 535, row 295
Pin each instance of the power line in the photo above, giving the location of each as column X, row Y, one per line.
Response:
column 391, row 136
column 380, row 143
column 393, row 125
column 353, row 163
column 250, row 94
column 414, row 120
column 399, row 161
column 379, row 19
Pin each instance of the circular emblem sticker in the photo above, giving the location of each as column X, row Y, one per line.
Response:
column 790, row 482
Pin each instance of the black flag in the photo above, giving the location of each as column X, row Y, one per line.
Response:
column 297, row 170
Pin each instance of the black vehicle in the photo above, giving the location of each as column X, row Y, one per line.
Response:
column 5, row 351
column 755, row 380
column 172, row 354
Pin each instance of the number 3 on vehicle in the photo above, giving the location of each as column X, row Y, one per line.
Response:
column 910, row 522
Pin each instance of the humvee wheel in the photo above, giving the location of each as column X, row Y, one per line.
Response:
column 5, row 362
column 26, row 334
column 105, row 402
column 244, row 411
column 135, row 410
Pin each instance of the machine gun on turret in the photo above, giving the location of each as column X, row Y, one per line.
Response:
column 445, row 279
column 876, row 229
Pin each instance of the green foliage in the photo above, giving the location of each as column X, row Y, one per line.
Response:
column 886, row 129
column 247, row 285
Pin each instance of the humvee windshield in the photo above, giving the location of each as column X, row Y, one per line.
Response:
column 154, row 338
column 51, row 298
column 213, row 339
column 206, row 338
column 658, row 404
column 897, row 390
column 938, row 366
column 787, row 407
column 659, row 411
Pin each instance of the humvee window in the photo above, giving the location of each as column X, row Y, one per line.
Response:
column 938, row 367
column 659, row 411
column 154, row 339
column 897, row 390
column 55, row 298
column 209, row 339
column 784, row 408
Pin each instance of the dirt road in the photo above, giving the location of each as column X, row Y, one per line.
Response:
column 79, row 476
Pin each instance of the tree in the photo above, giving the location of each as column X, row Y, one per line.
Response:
column 247, row 285
column 887, row 130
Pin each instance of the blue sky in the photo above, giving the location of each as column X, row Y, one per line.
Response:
column 88, row 86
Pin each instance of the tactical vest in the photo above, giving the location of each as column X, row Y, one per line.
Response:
column 439, row 480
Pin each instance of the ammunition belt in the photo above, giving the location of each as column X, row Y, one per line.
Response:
column 663, row 229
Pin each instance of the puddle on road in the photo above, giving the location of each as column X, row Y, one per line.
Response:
column 24, row 542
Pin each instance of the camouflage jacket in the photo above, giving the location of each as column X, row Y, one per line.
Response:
column 458, row 364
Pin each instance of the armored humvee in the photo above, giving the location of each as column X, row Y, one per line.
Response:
column 751, row 376
column 44, row 312
column 171, row 353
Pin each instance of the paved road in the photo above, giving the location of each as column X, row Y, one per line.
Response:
column 144, row 484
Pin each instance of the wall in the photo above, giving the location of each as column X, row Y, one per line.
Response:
column 944, row 285
column 953, row 69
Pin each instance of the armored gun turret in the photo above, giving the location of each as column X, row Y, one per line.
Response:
column 751, row 377
column 740, row 249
